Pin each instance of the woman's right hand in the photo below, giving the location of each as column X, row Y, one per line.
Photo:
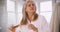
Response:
column 12, row 28
column 31, row 26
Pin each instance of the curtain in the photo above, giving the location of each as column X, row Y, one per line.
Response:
column 55, row 18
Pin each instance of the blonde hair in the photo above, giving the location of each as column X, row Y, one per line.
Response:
column 25, row 15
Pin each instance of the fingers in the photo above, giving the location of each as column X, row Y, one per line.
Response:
column 11, row 28
column 32, row 27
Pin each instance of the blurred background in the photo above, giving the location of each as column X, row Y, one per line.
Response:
column 11, row 11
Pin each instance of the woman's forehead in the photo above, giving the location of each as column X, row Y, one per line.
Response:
column 29, row 2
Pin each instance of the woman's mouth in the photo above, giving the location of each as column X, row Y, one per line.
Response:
column 32, row 8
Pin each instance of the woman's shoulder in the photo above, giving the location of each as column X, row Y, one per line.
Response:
column 41, row 18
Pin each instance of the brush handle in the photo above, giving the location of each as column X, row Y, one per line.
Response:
column 16, row 26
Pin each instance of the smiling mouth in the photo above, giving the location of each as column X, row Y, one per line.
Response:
column 32, row 9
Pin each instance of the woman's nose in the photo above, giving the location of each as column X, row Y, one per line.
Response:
column 32, row 6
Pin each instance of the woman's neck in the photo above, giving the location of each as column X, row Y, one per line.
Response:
column 30, row 15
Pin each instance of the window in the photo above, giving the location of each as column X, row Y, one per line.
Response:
column 19, row 6
column 14, row 10
column 11, row 12
column 10, row 6
column 46, row 10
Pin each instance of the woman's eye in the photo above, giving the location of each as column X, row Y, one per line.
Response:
column 32, row 4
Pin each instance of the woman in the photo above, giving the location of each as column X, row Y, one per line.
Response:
column 31, row 21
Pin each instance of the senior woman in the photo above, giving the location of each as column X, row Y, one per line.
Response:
column 31, row 21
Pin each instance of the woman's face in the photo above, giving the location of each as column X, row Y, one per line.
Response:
column 30, row 7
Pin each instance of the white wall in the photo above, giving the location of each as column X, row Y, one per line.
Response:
column 3, row 15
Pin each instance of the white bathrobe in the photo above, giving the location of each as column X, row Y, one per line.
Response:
column 40, row 23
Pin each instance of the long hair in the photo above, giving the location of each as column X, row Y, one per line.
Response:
column 25, row 15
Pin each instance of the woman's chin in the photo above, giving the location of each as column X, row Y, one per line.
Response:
column 31, row 12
